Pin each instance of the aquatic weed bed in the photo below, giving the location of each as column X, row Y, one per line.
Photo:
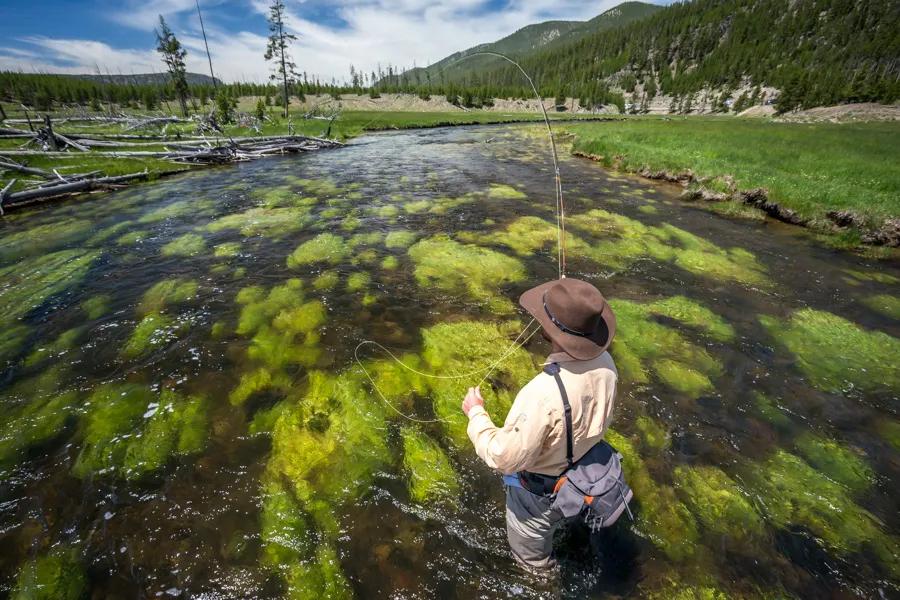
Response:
column 182, row 414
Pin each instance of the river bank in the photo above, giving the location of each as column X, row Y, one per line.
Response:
column 839, row 180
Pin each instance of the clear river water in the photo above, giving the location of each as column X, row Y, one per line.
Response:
column 181, row 414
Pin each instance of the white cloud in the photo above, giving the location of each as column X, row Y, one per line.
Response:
column 373, row 32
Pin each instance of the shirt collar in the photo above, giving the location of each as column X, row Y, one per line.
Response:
column 559, row 357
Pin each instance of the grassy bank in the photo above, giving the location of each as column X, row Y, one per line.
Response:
column 809, row 168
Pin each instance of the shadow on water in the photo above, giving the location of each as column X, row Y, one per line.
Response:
column 181, row 414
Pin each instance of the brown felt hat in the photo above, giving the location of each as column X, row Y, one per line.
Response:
column 574, row 314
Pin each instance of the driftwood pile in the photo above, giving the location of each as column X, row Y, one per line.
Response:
column 46, row 142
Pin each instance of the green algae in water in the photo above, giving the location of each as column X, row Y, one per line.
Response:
column 431, row 476
column 325, row 247
column 836, row 354
column 67, row 341
column 132, row 237
column 227, row 250
column 257, row 381
column 389, row 211
column 464, row 268
column 693, row 314
column 838, row 462
column 797, row 494
column 390, row 263
column 40, row 239
column 283, row 324
column 653, row 434
column 662, row 518
column 327, row 280
column 400, row 239
column 332, row 430
column 177, row 427
column 30, row 283
column 415, row 207
column 268, row 222
column 165, row 293
column 34, row 423
column 177, row 210
column 643, row 346
column 189, row 244
column 358, row 281
column 463, row 347
column 366, row 239
column 769, row 410
column 151, row 333
column 318, row 187
column 719, row 504
column 96, row 306
column 885, row 304
column 626, row 240
column 113, row 414
column 499, row 191
column 55, row 575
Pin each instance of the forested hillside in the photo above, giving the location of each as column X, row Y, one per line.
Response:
column 549, row 34
column 815, row 52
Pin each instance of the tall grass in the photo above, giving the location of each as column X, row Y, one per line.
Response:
column 810, row 168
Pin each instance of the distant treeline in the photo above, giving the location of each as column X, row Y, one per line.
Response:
column 47, row 91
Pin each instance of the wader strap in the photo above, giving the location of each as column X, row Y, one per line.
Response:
column 553, row 369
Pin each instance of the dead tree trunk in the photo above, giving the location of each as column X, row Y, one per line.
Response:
column 51, row 139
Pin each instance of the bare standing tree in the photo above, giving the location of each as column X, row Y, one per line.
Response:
column 279, row 42
column 173, row 55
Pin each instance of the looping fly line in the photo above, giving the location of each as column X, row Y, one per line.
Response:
column 520, row 341
column 560, row 259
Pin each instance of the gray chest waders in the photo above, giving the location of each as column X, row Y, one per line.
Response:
column 593, row 486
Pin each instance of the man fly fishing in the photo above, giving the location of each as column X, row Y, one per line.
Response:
column 551, row 451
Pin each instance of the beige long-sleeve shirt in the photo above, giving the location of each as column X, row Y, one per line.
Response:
column 533, row 438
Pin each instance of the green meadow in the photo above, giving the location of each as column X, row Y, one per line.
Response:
column 809, row 168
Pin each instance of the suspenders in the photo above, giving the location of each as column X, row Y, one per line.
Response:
column 553, row 369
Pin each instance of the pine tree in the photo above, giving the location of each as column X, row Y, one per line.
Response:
column 173, row 55
column 277, row 50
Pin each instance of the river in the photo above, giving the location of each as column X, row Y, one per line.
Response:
column 183, row 417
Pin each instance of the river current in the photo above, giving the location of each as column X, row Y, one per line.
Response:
column 181, row 414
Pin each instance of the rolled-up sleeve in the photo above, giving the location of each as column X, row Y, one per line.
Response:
column 512, row 447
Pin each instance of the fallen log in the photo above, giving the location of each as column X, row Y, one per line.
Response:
column 11, row 165
column 84, row 185
column 4, row 191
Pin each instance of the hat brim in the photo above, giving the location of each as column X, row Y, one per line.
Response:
column 578, row 347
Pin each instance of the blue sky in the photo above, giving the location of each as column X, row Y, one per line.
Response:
column 117, row 36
